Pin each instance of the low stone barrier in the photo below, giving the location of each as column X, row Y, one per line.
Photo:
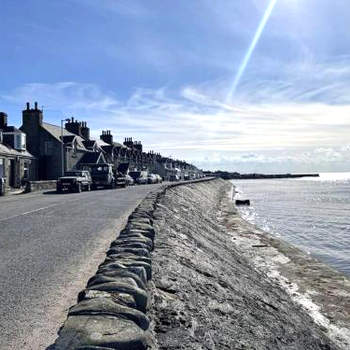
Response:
column 111, row 310
column 32, row 186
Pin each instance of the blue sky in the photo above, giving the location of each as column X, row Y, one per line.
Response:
column 161, row 72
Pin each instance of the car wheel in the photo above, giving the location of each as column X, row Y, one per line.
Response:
column 59, row 190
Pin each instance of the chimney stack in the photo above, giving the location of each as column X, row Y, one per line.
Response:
column 107, row 137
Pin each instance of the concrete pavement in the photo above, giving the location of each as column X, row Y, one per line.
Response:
column 50, row 245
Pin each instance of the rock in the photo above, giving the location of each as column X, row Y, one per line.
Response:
column 138, row 239
column 146, row 233
column 121, row 298
column 132, row 244
column 92, row 347
column 110, row 266
column 140, row 219
column 136, row 251
column 106, row 306
column 115, row 258
column 113, row 275
column 139, row 295
column 103, row 331
column 140, row 226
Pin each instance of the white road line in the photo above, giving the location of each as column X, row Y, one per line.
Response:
column 30, row 212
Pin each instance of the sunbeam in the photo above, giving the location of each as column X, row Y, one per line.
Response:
column 250, row 51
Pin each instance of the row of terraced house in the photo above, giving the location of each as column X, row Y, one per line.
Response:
column 43, row 151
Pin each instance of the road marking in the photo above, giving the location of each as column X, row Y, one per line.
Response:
column 30, row 212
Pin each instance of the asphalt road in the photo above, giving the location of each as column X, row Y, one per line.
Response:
column 50, row 245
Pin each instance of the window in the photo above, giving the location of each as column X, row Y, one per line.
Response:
column 48, row 148
column 20, row 141
column 1, row 167
column 26, row 171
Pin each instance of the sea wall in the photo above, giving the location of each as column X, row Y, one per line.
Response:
column 175, row 278
column 111, row 312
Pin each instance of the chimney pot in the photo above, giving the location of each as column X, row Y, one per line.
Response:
column 35, row 105
column 28, row 106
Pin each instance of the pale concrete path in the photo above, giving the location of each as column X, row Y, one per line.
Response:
column 50, row 245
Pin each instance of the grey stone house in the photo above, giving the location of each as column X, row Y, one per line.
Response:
column 51, row 143
column 17, row 165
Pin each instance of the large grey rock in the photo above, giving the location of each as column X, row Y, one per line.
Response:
column 137, row 262
column 147, row 233
column 114, row 275
column 139, row 294
column 118, row 297
column 137, row 251
column 106, row 306
column 140, row 219
column 104, row 331
column 92, row 347
column 111, row 265
column 140, row 226
column 116, row 258
column 136, row 238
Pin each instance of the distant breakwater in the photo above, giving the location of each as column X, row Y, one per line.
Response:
column 253, row 176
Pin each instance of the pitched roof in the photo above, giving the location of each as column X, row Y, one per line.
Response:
column 9, row 151
column 92, row 158
column 11, row 129
column 102, row 143
column 56, row 132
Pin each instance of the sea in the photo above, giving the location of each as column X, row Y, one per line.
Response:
column 312, row 213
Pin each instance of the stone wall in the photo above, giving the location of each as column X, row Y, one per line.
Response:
column 32, row 186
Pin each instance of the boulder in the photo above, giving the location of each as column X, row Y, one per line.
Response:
column 106, row 306
column 103, row 331
column 114, row 275
column 121, row 298
column 135, row 251
column 139, row 295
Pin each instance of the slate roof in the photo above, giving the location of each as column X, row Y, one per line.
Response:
column 89, row 143
column 9, row 151
column 102, row 143
column 91, row 158
column 56, row 132
column 11, row 129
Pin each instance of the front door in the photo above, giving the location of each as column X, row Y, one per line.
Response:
column 12, row 173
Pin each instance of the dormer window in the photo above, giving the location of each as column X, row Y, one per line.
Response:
column 20, row 141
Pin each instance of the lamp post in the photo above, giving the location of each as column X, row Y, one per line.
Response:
column 62, row 146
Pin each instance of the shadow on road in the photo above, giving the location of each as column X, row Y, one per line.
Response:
column 50, row 192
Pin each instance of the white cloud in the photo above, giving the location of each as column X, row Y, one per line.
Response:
column 195, row 124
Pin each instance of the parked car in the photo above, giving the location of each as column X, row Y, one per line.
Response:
column 74, row 181
column 130, row 180
column 123, row 180
column 159, row 179
column 174, row 178
column 140, row 177
column 103, row 176
column 152, row 179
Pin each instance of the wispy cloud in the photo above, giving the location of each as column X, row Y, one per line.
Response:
column 195, row 124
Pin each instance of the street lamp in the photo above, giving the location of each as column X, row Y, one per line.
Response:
column 62, row 146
